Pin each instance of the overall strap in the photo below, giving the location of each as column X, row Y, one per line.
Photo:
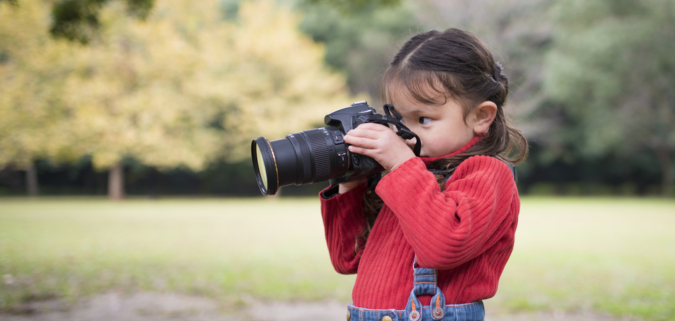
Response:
column 424, row 280
column 451, row 171
column 511, row 167
column 425, row 283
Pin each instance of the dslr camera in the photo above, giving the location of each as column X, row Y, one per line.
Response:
column 320, row 154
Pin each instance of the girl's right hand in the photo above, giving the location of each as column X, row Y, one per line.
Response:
column 346, row 186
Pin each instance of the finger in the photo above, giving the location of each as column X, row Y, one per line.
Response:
column 366, row 133
column 361, row 142
column 359, row 150
column 411, row 142
column 373, row 126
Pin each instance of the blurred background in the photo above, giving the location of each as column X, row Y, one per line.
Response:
column 164, row 97
column 157, row 101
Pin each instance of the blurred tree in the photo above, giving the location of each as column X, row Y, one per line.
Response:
column 263, row 76
column 128, row 98
column 188, row 85
column 354, row 6
column 78, row 20
column 613, row 68
column 359, row 42
column 32, row 67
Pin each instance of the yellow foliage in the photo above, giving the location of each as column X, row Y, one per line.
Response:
column 180, row 88
column 295, row 90
column 32, row 66
column 128, row 99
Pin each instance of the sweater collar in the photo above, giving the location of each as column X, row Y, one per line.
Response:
column 468, row 145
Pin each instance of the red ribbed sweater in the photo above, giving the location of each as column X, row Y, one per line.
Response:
column 466, row 231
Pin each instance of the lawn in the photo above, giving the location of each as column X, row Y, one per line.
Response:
column 610, row 255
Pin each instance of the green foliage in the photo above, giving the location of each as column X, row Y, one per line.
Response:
column 612, row 67
column 75, row 19
column 359, row 43
column 352, row 6
column 78, row 20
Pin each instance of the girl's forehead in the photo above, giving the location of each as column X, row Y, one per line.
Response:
column 421, row 96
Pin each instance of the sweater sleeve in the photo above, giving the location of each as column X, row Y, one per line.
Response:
column 343, row 220
column 448, row 228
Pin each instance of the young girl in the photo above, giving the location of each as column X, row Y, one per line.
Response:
column 430, row 239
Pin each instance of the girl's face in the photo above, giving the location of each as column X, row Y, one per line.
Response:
column 441, row 128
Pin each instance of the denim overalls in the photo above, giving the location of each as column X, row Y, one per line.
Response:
column 425, row 284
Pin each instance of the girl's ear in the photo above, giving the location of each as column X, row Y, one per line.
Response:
column 482, row 117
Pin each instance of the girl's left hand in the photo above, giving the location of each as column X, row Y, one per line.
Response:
column 379, row 142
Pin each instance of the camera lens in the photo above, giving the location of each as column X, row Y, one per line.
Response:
column 261, row 169
column 310, row 156
column 264, row 162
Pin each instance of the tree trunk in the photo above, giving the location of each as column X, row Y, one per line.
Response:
column 116, row 182
column 667, row 177
column 32, row 180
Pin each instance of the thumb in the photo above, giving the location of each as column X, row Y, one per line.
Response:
column 411, row 142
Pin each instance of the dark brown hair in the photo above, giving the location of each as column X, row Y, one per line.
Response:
column 453, row 64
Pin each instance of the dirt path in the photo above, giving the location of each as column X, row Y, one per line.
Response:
column 169, row 306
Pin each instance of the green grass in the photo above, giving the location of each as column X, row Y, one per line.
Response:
column 219, row 248
column 610, row 255
column 613, row 255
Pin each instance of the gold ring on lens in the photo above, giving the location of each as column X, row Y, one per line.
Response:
column 275, row 163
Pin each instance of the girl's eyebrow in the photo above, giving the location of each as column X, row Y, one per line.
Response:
column 417, row 108
column 417, row 112
column 414, row 111
column 423, row 110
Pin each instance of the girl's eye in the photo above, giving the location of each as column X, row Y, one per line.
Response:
column 425, row 120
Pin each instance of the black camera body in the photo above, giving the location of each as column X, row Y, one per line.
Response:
column 315, row 155
column 346, row 119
